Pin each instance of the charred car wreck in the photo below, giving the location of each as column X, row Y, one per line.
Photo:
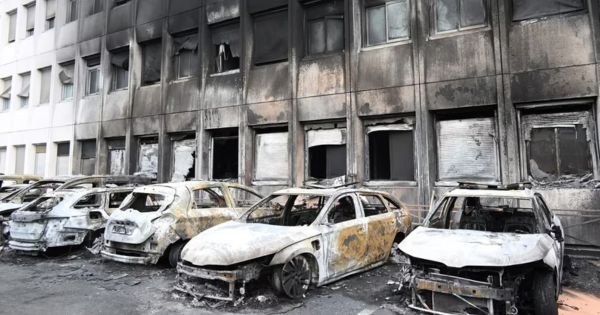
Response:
column 294, row 238
column 156, row 221
column 486, row 251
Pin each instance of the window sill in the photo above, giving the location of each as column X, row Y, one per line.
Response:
column 390, row 183
column 321, row 56
column 455, row 183
column 224, row 73
column 269, row 183
column 183, row 79
column 471, row 30
column 150, row 85
column 90, row 95
column 387, row 45
column 118, row 90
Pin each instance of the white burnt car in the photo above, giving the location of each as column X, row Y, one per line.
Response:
column 486, row 250
column 64, row 218
column 156, row 221
column 295, row 237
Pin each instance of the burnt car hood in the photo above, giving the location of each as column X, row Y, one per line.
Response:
column 235, row 242
column 462, row 248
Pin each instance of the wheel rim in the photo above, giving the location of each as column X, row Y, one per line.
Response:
column 295, row 277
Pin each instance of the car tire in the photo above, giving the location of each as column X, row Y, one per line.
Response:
column 175, row 253
column 293, row 278
column 544, row 294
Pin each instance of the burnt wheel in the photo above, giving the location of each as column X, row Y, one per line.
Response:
column 544, row 294
column 175, row 253
column 293, row 278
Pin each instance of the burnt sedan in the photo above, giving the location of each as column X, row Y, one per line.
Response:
column 157, row 220
column 294, row 238
column 485, row 250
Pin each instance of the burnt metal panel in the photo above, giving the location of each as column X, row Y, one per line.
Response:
column 184, row 22
column 65, row 54
column 386, row 101
column 146, row 125
column 457, row 57
column 149, row 31
column 147, row 101
column 461, row 93
column 119, row 17
column 226, row 117
column 118, row 39
column 178, row 6
column 321, row 76
column 150, row 10
column 114, row 128
column 90, row 47
column 559, row 83
column 222, row 10
column 263, row 5
column 183, row 96
column 92, row 26
column 180, row 122
column 385, row 67
column 268, row 113
column 269, row 83
column 558, row 42
column 322, row 107
column 223, row 90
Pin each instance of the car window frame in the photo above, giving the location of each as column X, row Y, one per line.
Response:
column 381, row 199
column 357, row 209
column 234, row 200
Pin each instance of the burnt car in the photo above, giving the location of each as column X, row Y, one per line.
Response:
column 486, row 250
column 64, row 218
column 12, row 183
column 156, row 221
column 294, row 238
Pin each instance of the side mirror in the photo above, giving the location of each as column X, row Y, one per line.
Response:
column 558, row 235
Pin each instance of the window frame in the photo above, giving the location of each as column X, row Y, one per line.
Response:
column 25, row 101
column 259, row 16
column 255, row 154
column 323, row 127
column 71, row 15
column 366, row 43
column 324, row 18
column 88, row 71
column 511, row 11
column 6, row 102
column 212, row 155
column 12, row 32
column 460, row 30
column 30, row 6
column 96, row 7
column 42, row 71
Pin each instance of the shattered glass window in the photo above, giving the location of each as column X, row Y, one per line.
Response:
column 184, row 159
column 148, row 157
column 144, row 202
column 243, row 197
column 388, row 22
column 372, row 205
column 116, row 156
column 209, row 198
column 455, row 15
column 225, row 38
column 529, row 9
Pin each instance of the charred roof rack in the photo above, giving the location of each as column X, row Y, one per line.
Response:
column 513, row 186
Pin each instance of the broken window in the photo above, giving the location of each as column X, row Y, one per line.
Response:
column 271, row 156
column 30, row 22
column 326, row 153
column 342, row 210
column 387, row 22
column 12, row 25
column 6, row 90
column 71, row 11
column 186, row 59
column 120, row 2
column 62, row 158
column 50, row 13
column 151, row 61
column 325, row 27
column 225, row 155
column 183, row 163
column 225, row 38
column 529, row 9
column 209, row 198
column 96, row 6
column 143, row 202
column 148, row 156
column 93, row 77
column 88, row 157
column 270, row 37
column 558, row 145
column 466, row 149
column 372, row 205
column 391, row 152
column 89, row 201
column 40, row 160
column 298, row 210
column 243, row 197
column 2, row 160
column 24, row 94
column 66, row 80
column 20, row 159
column 457, row 15
column 116, row 156
column 115, row 199
column 45, row 80
column 119, row 61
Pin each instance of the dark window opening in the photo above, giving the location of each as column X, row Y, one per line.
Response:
column 96, row 6
column 529, row 9
column 270, row 37
column 115, row 199
column 186, row 59
column 71, row 11
column 324, row 27
column 225, row 38
column 143, row 202
column 388, row 22
column 119, row 61
column 327, row 161
column 88, row 157
column 89, row 201
column 225, row 156
column 151, row 61
column 120, row 2
column 30, row 23
column 456, row 15
column 391, row 155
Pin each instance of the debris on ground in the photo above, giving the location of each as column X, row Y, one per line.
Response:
column 96, row 246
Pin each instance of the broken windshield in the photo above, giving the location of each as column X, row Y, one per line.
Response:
column 287, row 210
column 44, row 204
column 492, row 214
column 146, row 202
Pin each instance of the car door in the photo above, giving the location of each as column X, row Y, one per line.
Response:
column 346, row 237
column 551, row 220
column 210, row 207
column 93, row 203
column 381, row 227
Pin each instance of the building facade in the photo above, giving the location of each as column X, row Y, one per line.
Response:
column 410, row 96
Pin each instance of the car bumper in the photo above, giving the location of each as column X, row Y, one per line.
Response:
column 140, row 260
column 129, row 253
column 27, row 246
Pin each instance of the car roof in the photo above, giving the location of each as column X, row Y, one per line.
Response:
column 520, row 193
column 324, row 191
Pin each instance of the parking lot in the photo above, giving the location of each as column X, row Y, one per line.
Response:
column 77, row 282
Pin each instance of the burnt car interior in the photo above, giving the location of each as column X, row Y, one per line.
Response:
column 343, row 210
column 31, row 193
column 509, row 215
column 287, row 210
column 209, row 198
column 144, row 202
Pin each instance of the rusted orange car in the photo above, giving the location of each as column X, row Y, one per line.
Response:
column 295, row 237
